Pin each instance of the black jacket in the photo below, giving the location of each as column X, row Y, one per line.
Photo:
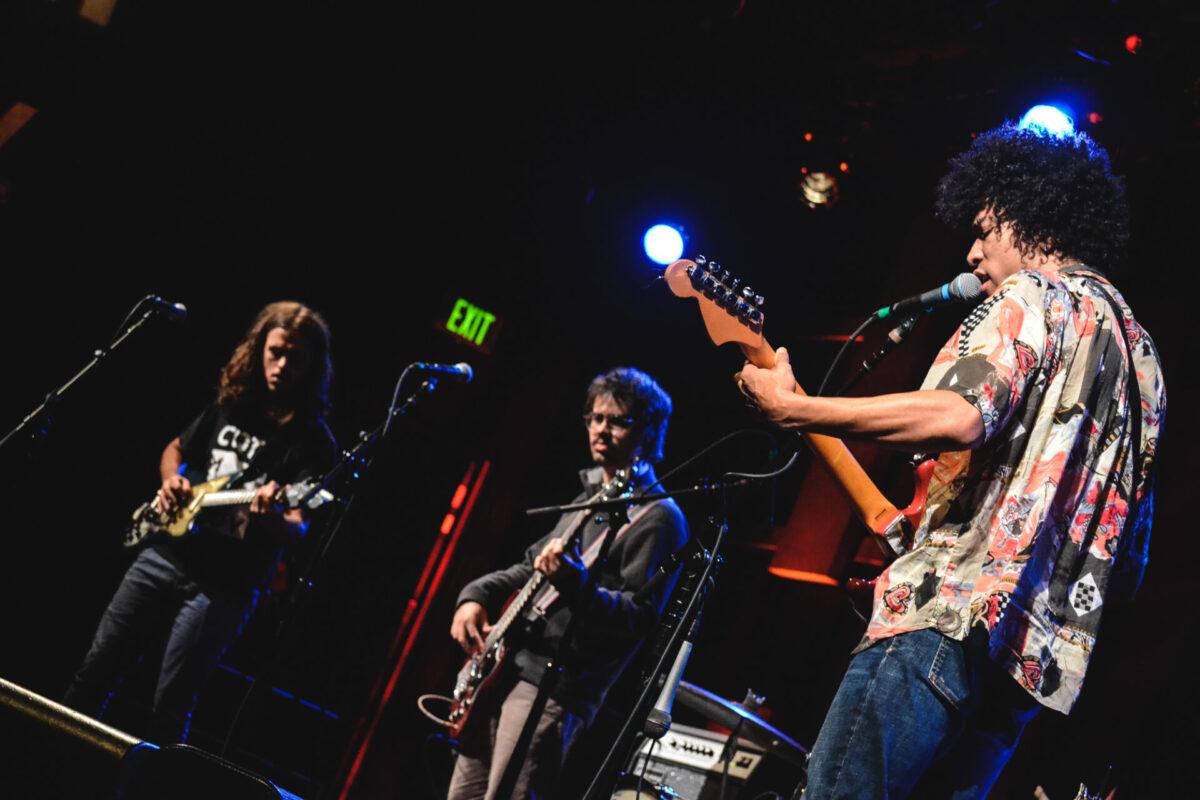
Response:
column 617, row 617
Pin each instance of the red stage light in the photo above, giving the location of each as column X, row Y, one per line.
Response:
column 1095, row 118
column 844, row 167
column 808, row 136
column 1133, row 43
column 804, row 170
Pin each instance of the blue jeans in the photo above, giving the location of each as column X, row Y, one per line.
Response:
column 157, row 606
column 919, row 707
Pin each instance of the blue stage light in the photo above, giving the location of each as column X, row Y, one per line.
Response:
column 663, row 244
column 1053, row 120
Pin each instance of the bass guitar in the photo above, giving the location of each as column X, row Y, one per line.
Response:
column 732, row 313
column 481, row 668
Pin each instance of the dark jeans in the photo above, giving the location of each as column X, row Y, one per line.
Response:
column 492, row 736
column 156, row 606
column 919, row 704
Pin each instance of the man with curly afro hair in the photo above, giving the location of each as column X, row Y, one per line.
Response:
column 1046, row 406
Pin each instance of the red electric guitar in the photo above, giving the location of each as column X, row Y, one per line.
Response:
column 732, row 313
column 479, row 670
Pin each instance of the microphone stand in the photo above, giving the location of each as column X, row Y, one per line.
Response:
column 554, row 668
column 358, row 461
column 639, row 719
column 125, row 330
column 894, row 337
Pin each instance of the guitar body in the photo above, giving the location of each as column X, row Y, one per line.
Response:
column 148, row 521
column 476, row 677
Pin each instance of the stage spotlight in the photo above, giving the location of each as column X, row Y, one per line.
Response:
column 1133, row 43
column 1051, row 120
column 819, row 190
column 663, row 244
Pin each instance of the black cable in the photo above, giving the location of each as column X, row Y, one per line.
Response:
column 642, row 777
column 709, row 448
column 841, row 352
column 132, row 313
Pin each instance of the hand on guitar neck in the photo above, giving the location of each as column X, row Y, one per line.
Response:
column 769, row 388
column 563, row 568
column 915, row 422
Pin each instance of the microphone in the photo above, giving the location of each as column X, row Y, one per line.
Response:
column 965, row 288
column 176, row 312
column 658, row 721
column 460, row 372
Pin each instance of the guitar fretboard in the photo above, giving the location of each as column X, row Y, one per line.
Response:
column 520, row 604
column 234, row 497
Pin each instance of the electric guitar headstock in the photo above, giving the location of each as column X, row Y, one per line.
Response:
column 731, row 310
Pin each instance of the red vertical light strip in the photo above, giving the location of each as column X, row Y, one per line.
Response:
column 414, row 629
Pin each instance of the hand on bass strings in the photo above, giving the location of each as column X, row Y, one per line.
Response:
column 470, row 626
column 565, row 570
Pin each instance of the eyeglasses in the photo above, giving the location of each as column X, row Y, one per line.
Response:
column 616, row 422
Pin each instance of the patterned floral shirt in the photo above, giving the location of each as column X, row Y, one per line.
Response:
column 1024, row 534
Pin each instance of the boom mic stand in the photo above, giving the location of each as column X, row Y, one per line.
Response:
column 357, row 461
column 124, row 331
column 642, row 718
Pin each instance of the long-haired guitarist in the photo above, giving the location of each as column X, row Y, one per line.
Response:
column 265, row 429
column 625, row 416
column 1046, row 405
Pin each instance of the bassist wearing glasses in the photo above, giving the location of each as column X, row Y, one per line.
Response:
column 626, row 414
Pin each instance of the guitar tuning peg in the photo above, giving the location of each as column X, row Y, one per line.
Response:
column 758, row 300
column 734, row 283
column 701, row 260
column 713, row 266
column 748, row 293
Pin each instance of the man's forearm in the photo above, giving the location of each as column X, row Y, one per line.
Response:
column 172, row 459
column 921, row 421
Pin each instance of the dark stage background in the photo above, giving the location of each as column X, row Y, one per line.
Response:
column 379, row 162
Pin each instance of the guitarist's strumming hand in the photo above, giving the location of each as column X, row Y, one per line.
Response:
column 565, row 570
column 175, row 491
column 470, row 626
column 769, row 389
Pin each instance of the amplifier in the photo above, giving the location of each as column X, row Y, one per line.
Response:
column 689, row 762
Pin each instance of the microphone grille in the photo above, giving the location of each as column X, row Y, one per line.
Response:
column 966, row 286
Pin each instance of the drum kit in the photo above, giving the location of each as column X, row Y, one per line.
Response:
column 753, row 759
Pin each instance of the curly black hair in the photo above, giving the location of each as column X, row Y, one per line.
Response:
column 642, row 398
column 1058, row 192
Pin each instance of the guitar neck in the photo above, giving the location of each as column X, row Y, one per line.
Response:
column 524, row 599
column 875, row 510
column 233, row 497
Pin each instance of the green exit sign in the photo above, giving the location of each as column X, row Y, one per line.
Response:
column 473, row 325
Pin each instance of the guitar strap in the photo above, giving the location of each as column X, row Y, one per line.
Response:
column 589, row 556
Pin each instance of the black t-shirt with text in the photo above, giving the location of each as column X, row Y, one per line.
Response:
column 228, row 552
